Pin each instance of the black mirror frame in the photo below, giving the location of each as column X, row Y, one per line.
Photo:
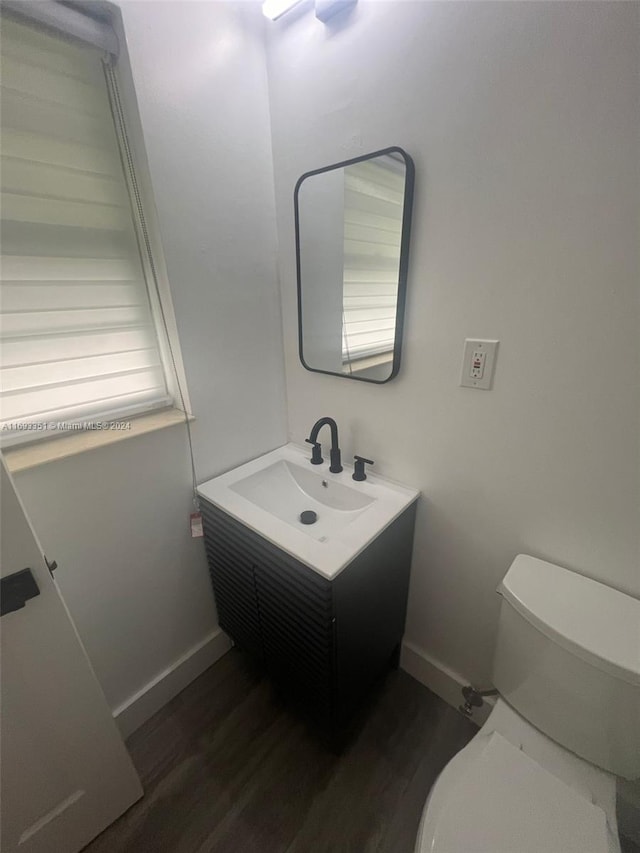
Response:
column 402, row 269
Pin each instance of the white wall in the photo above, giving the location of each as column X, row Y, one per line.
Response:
column 116, row 519
column 522, row 119
column 200, row 79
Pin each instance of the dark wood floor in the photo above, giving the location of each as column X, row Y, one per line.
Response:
column 227, row 768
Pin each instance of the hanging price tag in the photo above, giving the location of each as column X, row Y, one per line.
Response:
column 196, row 525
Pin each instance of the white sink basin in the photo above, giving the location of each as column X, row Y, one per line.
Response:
column 270, row 493
column 286, row 490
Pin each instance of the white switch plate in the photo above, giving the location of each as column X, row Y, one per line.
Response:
column 478, row 363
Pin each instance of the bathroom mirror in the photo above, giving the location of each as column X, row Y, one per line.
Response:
column 352, row 249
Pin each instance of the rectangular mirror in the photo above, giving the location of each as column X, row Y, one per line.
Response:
column 353, row 222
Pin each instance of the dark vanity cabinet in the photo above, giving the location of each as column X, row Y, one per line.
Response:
column 324, row 641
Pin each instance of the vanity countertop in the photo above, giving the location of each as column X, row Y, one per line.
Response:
column 350, row 515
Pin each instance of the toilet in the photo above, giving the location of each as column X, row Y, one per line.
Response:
column 540, row 775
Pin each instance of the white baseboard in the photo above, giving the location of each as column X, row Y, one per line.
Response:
column 142, row 705
column 441, row 680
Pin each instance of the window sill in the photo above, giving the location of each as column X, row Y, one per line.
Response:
column 51, row 450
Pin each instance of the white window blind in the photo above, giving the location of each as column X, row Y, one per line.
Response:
column 77, row 333
column 374, row 197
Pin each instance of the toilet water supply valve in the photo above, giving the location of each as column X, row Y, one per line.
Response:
column 473, row 699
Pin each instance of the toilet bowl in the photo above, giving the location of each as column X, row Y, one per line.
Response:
column 514, row 790
column 540, row 775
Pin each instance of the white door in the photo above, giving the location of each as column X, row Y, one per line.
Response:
column 65, row 772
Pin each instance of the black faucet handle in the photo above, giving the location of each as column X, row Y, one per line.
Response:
column 358, row 468
column 316, row 453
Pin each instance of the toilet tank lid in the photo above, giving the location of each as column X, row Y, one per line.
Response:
column 593, row 621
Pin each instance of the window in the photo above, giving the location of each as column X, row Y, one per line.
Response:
column 81, row 335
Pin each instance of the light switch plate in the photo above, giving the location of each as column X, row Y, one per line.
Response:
column 478, row 363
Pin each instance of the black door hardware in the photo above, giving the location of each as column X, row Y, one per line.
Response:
column 52, row 566
column 16, row 590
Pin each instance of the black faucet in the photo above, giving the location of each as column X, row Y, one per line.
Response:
column 316, row 458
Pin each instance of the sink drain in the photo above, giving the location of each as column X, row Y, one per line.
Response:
column 309, row 516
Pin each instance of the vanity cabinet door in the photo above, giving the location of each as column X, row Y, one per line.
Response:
column 296, row 621
column 231, row 570
column 274, row 607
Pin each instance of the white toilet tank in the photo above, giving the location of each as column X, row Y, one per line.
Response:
column 568, row 660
